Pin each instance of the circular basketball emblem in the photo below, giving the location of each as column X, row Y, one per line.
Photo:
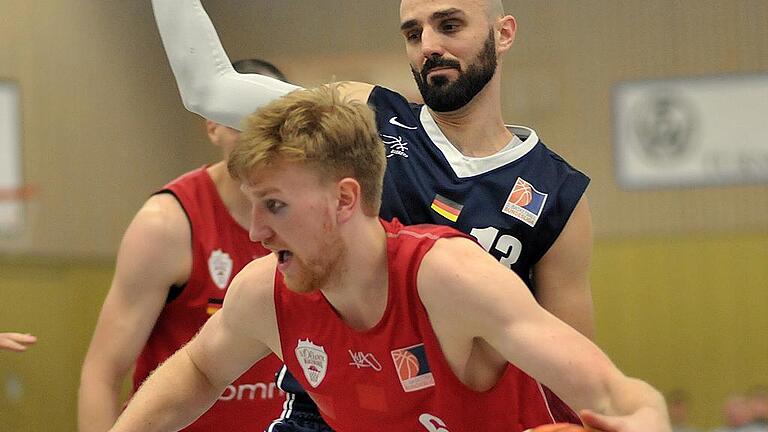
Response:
column 407, row 364
column 521, row 194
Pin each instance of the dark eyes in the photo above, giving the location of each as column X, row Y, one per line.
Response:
column 413, row 36
column 273, row 206
column 450, row 26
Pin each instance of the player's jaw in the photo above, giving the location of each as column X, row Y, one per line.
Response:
column 445, row 86
column 309, row 268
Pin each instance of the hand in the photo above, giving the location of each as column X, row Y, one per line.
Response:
column 642, row 420
column 16, row 341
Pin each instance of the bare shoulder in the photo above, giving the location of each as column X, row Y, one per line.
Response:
column 569, row 257
column 578, row 229
column 459, row 270
column 253, row 286
column 158, row 241
column 249, row 306
column 162, row 219
column 451, row 267
column 356, row 91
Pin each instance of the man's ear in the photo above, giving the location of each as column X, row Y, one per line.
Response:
column 349, row 195
column 210, row 129
column 507, row 27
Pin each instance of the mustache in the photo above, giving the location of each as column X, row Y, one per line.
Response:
column 438, row 62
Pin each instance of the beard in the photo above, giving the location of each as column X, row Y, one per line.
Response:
column 313, row 274
column 443, row 95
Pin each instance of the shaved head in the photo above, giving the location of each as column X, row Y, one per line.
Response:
column 494, row 9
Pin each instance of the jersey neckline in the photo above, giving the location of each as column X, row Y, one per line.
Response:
column 466, row 166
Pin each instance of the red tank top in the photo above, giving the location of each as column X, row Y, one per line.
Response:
column 394, row 377
column 220, row 249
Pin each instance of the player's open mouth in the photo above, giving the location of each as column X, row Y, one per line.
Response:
column 283, row 259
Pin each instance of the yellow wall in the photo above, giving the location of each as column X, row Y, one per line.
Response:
column 685, row 312
column 58, row 301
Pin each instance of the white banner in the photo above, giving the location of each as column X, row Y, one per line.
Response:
column 692, row 132
column 11, row 211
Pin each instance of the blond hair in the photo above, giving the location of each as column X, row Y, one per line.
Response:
column 319, row 128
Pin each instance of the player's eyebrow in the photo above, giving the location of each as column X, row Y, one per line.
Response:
column 256, row 192
column 446, row 13
column 441, row 14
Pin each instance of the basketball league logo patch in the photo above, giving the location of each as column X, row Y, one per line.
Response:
column 313, row 361
column 220, row 268
column 412, row 368
column 525, row 202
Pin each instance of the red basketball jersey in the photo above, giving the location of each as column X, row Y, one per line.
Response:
column 394, row 377
column 220, row 249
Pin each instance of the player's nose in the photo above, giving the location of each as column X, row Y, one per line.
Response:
column 259, row 231
column 431, row 43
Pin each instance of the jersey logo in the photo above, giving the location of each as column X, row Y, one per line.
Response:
column 432, row 423
column 393, row 121
column 525, row 202
column 364, row 360
column 220, row 267
column 446, row 208
column 313, row 360
column 412, row 368
column 397, row 147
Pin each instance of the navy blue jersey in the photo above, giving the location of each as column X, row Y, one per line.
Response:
column 515, row 202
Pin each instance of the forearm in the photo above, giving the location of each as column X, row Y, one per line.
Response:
column 629, row 395
column 174, row 396
column 99, row 401
column 208, row 84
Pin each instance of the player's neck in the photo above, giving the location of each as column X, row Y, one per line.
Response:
column 359, row 294
column 477, row 129
column 229, row 190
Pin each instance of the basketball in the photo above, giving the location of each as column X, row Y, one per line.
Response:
column 521, row 195
column 407, row 364
column 559, row 427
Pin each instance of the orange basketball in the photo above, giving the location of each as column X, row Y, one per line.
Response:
column 407, row 364
column 559, row 427
column 521, row 195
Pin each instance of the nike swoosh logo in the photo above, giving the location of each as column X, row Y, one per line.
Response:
column 394, row 121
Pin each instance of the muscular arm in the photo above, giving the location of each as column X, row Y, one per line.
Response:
column 562, row 275
column 155, row 253
column 498, row 309
column 230, row 342
column 208, row 84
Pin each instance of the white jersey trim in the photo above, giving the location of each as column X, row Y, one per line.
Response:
column 289, row 399
column 546, row 401
column 466, row 166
